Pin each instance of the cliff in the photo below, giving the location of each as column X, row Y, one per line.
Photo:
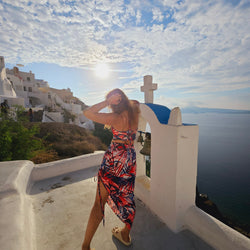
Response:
column 204, row 203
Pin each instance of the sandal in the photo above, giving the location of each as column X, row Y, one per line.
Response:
column 118, row 235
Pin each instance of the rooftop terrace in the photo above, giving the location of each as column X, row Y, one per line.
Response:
column 60, row 207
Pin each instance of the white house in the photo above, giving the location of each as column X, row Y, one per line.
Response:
column 7, row 91
column 22, row 88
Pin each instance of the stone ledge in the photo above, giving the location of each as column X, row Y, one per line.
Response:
column 214, row 232
column 14, row 177
column 15, row 208
column 55, row 168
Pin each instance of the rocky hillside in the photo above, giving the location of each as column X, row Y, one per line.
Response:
column 64, row 141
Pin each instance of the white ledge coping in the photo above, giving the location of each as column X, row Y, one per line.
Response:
column 214, row 232
column 17, row 175
column 55, row 168
column 16, row 218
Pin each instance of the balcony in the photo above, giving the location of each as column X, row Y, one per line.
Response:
column 42, row 211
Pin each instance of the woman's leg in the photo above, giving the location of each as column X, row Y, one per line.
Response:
column 95, row 216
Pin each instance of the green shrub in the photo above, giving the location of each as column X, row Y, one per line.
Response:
column 44, row 142
column 105, row 135
column 18, row 142
column 73, row 149
column 5, row 143
column 21, row 114
column 68, row 116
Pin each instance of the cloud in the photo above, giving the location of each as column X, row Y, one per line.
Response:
column 157, row 15
column 191, row 46
column 138, row 17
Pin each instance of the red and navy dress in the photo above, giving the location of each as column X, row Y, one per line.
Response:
column 117, row 173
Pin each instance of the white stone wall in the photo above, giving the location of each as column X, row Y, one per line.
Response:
column 174, row 151
column 6, row 88
column 76, row 108
column 42, row 85
column 52, row 117
column 13, row 100
column 28, row 89
column 27, row 77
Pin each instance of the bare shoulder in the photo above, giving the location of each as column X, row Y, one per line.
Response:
column 135, row 102
column 136, row 105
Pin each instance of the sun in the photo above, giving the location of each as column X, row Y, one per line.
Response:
column 102, row 70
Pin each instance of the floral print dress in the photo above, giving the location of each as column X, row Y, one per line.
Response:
column 117, row 173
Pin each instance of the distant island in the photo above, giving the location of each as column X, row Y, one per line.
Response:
column 197, row 110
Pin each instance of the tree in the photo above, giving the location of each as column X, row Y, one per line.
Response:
column 16, row 141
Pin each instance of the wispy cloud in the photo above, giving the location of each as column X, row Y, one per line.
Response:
column 200, row 46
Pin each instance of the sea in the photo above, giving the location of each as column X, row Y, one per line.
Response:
column 224, row 161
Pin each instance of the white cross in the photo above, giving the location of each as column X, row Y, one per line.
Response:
column 148, row 89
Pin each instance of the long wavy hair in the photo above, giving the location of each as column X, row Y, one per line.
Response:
column 125, row 104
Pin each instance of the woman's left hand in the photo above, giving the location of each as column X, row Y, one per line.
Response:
column 114, row 99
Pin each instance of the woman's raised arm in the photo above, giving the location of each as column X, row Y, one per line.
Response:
column 93, row 114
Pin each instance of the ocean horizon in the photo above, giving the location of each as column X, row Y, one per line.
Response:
column 224, row 161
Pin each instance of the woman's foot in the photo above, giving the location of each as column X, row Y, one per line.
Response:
column 122, row 234
column 125, row 235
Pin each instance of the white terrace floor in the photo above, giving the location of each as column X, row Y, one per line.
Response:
column 62, row 205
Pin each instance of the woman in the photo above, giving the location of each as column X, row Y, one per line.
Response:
column 116, row 175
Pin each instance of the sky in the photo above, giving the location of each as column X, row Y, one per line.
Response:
column 197, row 51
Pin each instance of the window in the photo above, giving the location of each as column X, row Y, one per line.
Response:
column 30, row 89
column 24, row 88
column 28, row 78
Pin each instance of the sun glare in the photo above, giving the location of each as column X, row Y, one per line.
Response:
column 102, row 70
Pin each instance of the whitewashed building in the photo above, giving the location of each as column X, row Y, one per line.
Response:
column 26, row 86
column 7, row 91
column 22, row 88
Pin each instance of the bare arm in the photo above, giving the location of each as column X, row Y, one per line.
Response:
column 93, row 114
